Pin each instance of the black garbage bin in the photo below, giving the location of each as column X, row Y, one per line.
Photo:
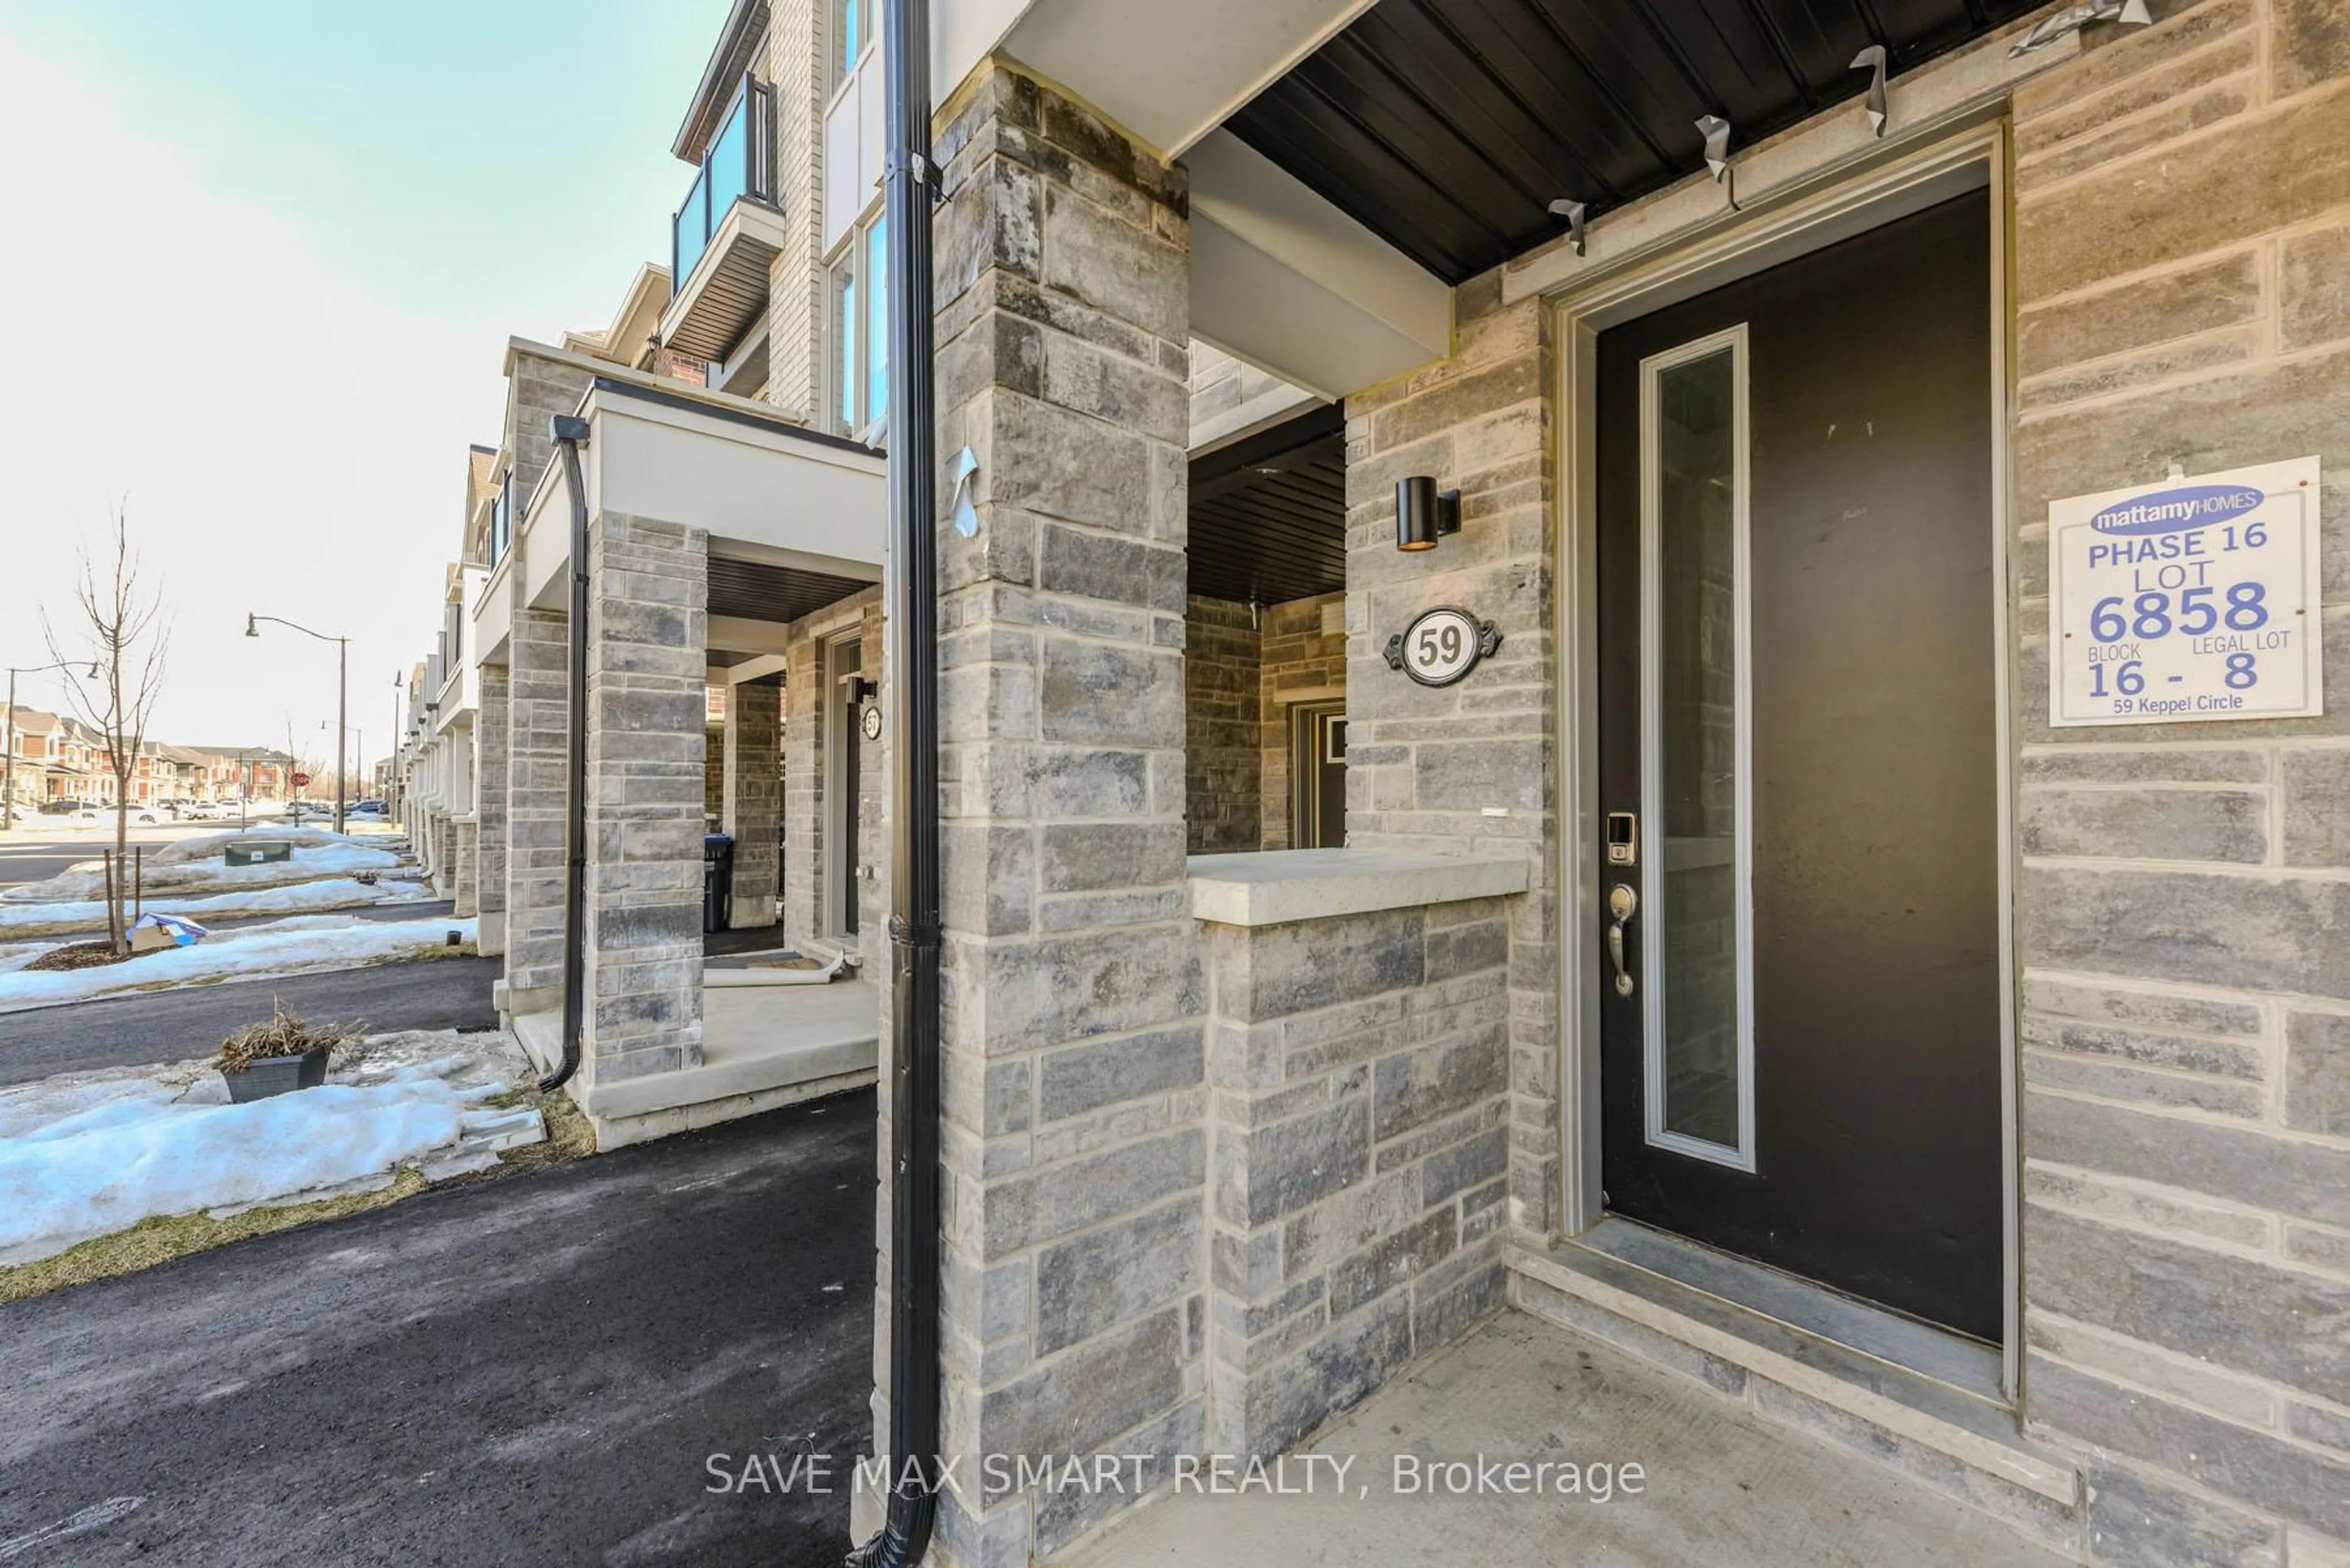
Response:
column 717, row 880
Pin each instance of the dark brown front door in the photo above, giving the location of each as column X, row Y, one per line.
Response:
column 1317, row 761
column 1801, row 1062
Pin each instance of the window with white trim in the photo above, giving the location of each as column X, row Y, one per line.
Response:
column 856, row 329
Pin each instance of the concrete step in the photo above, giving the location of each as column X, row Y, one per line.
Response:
column 1892, row 1391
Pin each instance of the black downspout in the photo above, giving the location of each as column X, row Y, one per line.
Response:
column 569, row 431
column 912, row 601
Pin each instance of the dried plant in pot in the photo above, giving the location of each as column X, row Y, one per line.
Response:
column 283, row 1053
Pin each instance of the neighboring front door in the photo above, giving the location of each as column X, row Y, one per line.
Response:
column 1800, row 1050
column 1317, row 761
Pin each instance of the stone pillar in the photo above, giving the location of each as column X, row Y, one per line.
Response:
column 1075, row 1305
column 463, row 868
column 540, row 656
column 493, row 729
column 1222, row 764
column 444, row 856
column 755, row 797
column 803, row 804
column 648, row 636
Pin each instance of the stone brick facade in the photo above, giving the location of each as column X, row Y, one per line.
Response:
column 1222, row 767
column 2182, row 224
column 647, row 629
column 492, row 737
column 1473, row 766
column 755, row 797
column 798, row 64
column 1359, row 1153
column 464, row 869
column 539, row 654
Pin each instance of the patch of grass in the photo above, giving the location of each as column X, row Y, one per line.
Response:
column 569, row 1134
column 166, row 1237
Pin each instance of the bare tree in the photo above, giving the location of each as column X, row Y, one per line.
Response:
column 122, row 621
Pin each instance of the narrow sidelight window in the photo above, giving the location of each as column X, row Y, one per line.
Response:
column 1697, row 786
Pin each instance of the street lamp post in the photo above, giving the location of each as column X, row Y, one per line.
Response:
column 8, row 768
column 342, row 692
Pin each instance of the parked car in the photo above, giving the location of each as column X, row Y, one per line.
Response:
column 368, row 811
column 201, row 811
column 60, row 807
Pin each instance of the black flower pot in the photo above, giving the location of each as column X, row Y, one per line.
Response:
column 267, row 1075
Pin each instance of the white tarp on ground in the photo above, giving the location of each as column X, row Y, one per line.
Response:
column 194, row 865
column 302, row 945
column 88, row 1156
column 302, row 897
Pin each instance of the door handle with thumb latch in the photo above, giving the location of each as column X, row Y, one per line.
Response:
column 1622, row 905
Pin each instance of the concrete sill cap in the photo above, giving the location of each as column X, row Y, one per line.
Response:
column 1275, row 886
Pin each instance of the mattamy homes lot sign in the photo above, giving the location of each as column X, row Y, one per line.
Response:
column 2188, row 599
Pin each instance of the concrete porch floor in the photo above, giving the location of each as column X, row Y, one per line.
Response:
column 761, row 1046
column 1720, row 1489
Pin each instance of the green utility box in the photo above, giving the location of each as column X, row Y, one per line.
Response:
column 258, row 851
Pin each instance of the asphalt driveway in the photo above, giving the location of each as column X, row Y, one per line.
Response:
column 192, row 1020
column 530, row 1371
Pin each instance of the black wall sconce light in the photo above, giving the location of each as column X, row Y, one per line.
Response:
column 1424, row 513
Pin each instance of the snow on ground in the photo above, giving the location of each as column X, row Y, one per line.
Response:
column 298, row 945
column 335, row 893
column 194, row 865
column 93, row 1153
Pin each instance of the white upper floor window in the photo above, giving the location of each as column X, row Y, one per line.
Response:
column 852, row 29
column 857, row 331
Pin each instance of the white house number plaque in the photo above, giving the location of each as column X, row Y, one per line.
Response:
column 1442, row 645
column 2193, row 598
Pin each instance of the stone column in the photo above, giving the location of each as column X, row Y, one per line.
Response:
column 647, row 663
column 465, row 884
column 541, row 654
column 493, row 731
column 755, row 797
column 1075, row 1306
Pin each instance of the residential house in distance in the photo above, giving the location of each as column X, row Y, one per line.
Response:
column 29, row 737
column 249, row 773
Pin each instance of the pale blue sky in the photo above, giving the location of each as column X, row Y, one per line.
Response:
column 504, row 159
column 279, row 248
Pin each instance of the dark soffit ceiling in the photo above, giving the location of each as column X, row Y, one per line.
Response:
column 1268, row 513
column 758, row 590
column 1448, row 127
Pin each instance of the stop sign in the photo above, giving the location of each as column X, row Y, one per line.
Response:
column 300, row 780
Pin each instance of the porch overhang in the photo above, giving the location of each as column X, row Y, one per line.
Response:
column 794, row 518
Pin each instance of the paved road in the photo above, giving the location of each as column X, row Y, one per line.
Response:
column 38, row 860
column 34, row 853
column 170, row 1025
column 531, row 1373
